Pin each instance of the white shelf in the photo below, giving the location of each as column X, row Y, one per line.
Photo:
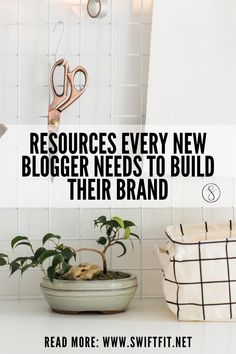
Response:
column 25, row 323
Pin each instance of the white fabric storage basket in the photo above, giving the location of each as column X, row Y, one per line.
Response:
column 199, row 271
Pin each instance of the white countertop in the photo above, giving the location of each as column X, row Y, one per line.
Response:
column 25, row 323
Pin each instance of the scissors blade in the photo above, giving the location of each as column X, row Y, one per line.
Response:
column 50, row 147
column 53, row 129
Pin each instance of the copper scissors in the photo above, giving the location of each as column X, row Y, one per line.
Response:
column 69, row 95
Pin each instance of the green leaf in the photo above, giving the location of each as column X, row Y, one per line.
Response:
column 137, row 236
column 50, row 236
column 108, row 232
column 110, row 223
column 57, row 259
column 101, row 219
column 2, row 261
column 51, row 272
column 102, row 241
column 132, row 244
column 123, row 246
column 128, row 223
column 18, row 239
column 38, row 252
column 27, row 266
column 67, row 253
column 65, row 268
column 23, row 243
column 46, row 254
column 60, row 247
column 14, row 267
column 119, row 221
column 22, row 260
column 127, row 233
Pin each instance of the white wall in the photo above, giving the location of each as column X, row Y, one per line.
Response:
column 115, row 51
column 192, row 69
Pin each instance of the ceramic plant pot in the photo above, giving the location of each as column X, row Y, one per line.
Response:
column 107, row 296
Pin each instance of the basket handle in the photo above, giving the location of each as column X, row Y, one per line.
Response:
column 163, row 255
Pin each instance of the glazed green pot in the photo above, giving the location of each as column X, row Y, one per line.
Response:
column 74, row 296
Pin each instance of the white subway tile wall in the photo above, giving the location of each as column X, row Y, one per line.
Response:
column 115, row 50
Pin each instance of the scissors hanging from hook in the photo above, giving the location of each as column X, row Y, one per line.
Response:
column 63, row 100
column 69, row 95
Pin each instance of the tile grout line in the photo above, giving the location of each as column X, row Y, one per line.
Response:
column 49, row 187
column 118, row 85
column 74, row 24
column 111, row 102
column 18, row 135
column 141, row 112
column 79, row 124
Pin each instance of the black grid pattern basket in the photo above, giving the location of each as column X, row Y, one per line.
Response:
column 199, row 271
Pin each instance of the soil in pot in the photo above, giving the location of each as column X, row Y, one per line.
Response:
column 110, row 275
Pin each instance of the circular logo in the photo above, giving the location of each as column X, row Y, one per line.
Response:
column 211, row 193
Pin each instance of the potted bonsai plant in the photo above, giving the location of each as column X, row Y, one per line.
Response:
column 86, row 287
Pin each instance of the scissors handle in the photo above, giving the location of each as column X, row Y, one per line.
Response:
column 58, row 98
column 74, row 92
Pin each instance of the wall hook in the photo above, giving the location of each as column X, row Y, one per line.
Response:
column 3, row 130
column 97, row 8
column 59, row 23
